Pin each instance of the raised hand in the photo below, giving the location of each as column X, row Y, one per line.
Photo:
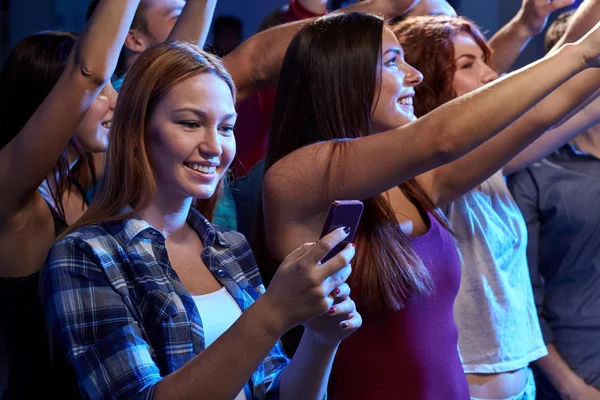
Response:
column 533, row 14
column 302, row 287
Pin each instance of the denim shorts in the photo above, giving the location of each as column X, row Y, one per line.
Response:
column 528, row 392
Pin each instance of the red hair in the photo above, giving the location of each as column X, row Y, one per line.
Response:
column 428, row 43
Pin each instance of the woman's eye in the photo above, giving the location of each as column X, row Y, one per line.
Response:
column 392, row 63
column 467, row 66
column 189, row 124
column 227, row 130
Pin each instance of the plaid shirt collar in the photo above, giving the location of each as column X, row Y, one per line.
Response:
column 135, row 225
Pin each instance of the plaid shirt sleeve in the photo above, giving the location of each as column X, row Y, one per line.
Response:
column 274, row 365
column 266, row 380
column 92, row 322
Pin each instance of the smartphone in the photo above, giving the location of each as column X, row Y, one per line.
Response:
column 342, row 213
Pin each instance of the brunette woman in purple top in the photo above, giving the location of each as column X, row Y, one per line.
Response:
column 409, row 353
column 344, row 128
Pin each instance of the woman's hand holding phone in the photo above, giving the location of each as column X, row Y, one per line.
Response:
column 304, row 289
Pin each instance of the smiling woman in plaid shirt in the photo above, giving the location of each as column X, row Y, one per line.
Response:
column 147, row 298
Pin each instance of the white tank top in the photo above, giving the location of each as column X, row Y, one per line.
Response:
column 218, row 311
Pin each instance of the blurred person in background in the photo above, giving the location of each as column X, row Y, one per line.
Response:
column 558, row 197
column 56, row 107
column 227, row 35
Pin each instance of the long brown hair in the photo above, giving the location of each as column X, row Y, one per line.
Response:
column 129, row 178
column 28, row 75
column 428, row 43
column 327, row 90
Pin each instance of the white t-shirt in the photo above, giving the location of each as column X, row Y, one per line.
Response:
column 498, row 326
column 218, row 311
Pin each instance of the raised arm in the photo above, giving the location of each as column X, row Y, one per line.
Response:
column 508, row 43
column 584, row 18
column 520, row 144
column 550, row 141
column 194, row 22
column 315, row 6
column 255, row 64
column 373, row 164
column 516, row 146
column 29, row 157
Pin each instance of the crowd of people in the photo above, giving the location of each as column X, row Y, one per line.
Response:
column 160, row 236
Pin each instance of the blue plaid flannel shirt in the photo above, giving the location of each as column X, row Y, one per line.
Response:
column 122, row 314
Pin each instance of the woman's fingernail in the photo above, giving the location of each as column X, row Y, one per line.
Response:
column 331, row 311
column 347, row 230
column 353, row 245
column 336, row 291
column 344, row 325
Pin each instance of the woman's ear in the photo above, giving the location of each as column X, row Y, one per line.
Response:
column 137, row 41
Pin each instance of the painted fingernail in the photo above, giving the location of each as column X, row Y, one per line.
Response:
column 347, row 230
column 336, row 291
column 331, row 311
column 344, row 325
column 353, row 245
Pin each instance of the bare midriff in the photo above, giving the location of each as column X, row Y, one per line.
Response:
column 498, row 386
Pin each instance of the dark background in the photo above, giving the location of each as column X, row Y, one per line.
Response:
column 19, row 18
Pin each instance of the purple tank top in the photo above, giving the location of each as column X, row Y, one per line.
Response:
column 411, row 353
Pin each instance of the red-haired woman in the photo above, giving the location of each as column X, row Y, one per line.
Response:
column 147, row 297
column 344, row 128
column 499, row 332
